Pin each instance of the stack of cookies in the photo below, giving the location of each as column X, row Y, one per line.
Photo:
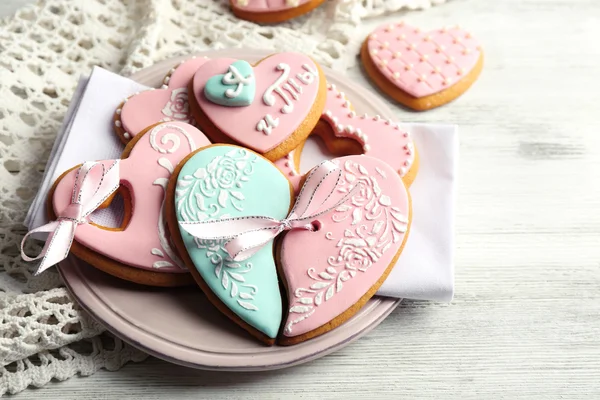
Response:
column 213, row 194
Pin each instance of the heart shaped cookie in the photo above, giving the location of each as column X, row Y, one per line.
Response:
column 422, row 70
column 352, row 251
column 168, row 103
column 269, row 11
column 140, row 249
column 289, row 99
column 224, row 181
column 235, row 88
column 346, row 133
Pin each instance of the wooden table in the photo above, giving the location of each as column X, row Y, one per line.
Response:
column 526, row 318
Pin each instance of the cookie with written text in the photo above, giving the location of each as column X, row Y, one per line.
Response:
column 269, row 11
column 347, row 133
column 422, row 69
column 270, row 107
column 139, row 249
column 168, row 103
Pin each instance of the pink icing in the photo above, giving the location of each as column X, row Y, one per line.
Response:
column 380, row 138
column 167, row 103
column 353, row 247
column 241, row 123
column 144, row 242
column 266, row 5
column 423, row 63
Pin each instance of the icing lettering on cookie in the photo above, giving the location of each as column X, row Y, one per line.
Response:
column 356, row 244
column 287, row 83
column 423, row 63
column 221, row 182
column 143, row 243
column 169, row 103
column 267, row 124
column 233, row 89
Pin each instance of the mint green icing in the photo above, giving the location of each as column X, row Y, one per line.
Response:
column 222, row 181
column 233, row 89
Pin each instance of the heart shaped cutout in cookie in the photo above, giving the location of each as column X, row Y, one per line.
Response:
column 140, row 250
column 168, row 103
column 225, row 181
column 346, row 133
column 422, row 70
column 289, row 100
column 352, row 251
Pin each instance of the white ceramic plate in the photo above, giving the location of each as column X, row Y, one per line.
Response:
column 180, row 325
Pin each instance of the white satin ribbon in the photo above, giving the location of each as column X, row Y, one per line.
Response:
column 246, row 235
column 90, row 190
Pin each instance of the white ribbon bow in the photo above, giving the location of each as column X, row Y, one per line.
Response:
column 246, row 235
column 90, row 190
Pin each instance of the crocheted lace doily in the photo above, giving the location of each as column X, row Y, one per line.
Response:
column 44, row 48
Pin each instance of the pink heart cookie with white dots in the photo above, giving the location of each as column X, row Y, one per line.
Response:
column 422, row 69
column 270, row 11
column 168, row 103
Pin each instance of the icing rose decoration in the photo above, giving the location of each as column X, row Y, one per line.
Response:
column 178, row 107
column 354, row 228
column 365, row 192
column 222, row 181
column 149, row 107
column 356, row 246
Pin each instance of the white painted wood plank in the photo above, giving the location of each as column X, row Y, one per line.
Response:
column 526, row 318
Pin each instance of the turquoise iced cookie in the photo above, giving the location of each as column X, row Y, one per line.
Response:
column 235, row 88
column 230, row 181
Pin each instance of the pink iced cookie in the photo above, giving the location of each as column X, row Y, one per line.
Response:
column 140, row 250
column 270, row 107
column 168, row 103
column 379, row 138
column 352, row 252
column 272, row 10
column 422, row 70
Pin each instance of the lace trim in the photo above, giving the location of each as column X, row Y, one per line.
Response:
column 45, row 48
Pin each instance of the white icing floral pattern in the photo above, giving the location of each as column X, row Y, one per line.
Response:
column 178, row 107
column 221, row 179
column 173, row 138
column 230, row 273
column 375, row 225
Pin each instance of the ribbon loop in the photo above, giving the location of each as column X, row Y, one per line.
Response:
column 94, row 183
column 73, row 212
column 245, row 236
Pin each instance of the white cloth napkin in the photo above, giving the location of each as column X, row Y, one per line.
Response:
column 425, row 270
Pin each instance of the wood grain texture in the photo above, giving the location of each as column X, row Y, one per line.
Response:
column 525, row 322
